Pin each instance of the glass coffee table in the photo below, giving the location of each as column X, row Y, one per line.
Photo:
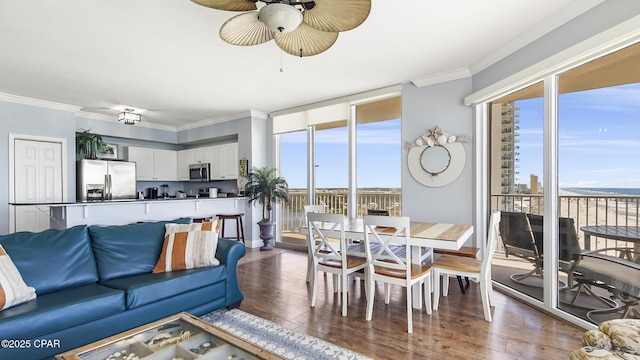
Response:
column 181, row 336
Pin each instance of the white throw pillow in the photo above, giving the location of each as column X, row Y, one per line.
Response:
column 13, row 290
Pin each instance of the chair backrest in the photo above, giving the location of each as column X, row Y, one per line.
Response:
column 313, row 209
column 492, row 240
column 322, row 228
column 377, row 212
column 537, row 228
column 515, row 231
column 568, row 245
column 387, row 231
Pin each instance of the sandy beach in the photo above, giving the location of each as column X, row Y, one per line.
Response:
column 591, row 210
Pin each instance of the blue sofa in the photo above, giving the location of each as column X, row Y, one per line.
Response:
column 94, row 282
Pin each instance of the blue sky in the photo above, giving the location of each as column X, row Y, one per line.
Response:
column 599, row 138
column 378, row 158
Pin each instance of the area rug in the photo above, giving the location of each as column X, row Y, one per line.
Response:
column 286, row 343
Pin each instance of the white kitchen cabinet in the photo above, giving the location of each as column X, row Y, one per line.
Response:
column 185, row 158
column 166, row 164
column 201, row 155
column 231, row 161
column 224, row 162
column 154, row 164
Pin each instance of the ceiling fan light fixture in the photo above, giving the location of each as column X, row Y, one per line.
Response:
column 129, row 117
column 280, row 17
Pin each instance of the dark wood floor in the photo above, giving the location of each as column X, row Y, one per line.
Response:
column 274, row 287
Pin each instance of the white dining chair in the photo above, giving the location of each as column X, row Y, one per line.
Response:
column 312, row 209
column 386, row 266
column 329, row 256
column 476, row 270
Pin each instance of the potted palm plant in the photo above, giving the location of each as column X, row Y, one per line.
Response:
column 88, row 144
column 266, row 187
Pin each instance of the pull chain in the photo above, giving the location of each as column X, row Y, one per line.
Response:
column 281, row 68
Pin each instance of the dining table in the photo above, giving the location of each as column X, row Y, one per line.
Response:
column 424, row 236
column 613, row 232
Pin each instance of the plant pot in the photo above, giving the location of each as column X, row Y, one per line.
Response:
column 266, row 234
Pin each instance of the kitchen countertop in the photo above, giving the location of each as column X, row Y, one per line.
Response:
column 127, row 201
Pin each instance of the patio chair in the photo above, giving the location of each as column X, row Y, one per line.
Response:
column 377, row 212
column 477, row 270
column 329, row 256
column 386, row 266
column 518, row 240
column 568, row 244
column 619, row 276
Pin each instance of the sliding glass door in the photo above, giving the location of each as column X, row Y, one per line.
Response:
column 580, row 130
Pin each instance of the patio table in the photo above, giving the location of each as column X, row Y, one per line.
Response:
column 614, row 232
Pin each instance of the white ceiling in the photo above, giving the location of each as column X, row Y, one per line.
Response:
column 166, row 56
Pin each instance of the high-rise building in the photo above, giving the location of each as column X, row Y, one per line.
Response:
column 504, row 137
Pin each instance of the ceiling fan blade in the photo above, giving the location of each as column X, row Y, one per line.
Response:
column 230, row 5
column 245, row 29
column 337, row 15
column 305, row 41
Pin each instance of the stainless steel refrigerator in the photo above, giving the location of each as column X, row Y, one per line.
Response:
column 104, row 180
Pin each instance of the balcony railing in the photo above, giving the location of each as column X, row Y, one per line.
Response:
column 586, row 210
column 336, row 202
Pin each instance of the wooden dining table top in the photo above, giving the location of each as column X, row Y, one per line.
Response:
column 423, row 234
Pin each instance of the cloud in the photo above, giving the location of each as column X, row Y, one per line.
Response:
column 616, row 98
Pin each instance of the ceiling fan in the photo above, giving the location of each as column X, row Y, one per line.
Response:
column 300, row 28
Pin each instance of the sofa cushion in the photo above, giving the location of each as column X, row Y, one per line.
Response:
column 189, row 246
column 147, row 288
column 624, row 334
column 594, row 353
column 126, row 250
column 52, row 260
column 60, row 310
column 13, row 290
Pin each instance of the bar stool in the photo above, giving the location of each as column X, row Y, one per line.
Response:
column 239, row 227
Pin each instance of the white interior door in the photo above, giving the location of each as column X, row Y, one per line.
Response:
column 38, row 179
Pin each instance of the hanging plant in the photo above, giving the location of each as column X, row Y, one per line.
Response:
column 88, row 144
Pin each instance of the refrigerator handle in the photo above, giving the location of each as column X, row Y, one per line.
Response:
column 110, row 188
column 105, row 192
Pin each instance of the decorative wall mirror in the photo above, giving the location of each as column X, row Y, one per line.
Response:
column 436, row 158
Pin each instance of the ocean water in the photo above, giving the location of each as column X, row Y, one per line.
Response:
column 604, row 191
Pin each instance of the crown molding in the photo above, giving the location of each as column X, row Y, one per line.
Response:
column 550, row 23
column 445, row 76
column 254, row 114
column 606, row 42
column 37, row 102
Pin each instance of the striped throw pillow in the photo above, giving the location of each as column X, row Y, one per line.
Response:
column 188, row 246
column 13, row 290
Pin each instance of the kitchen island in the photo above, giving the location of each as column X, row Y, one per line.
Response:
column 67, row 215
column 63, row 215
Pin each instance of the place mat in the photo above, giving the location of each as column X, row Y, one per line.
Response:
column 270, row 336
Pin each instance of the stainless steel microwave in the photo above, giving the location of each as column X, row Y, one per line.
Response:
column 200, row 172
